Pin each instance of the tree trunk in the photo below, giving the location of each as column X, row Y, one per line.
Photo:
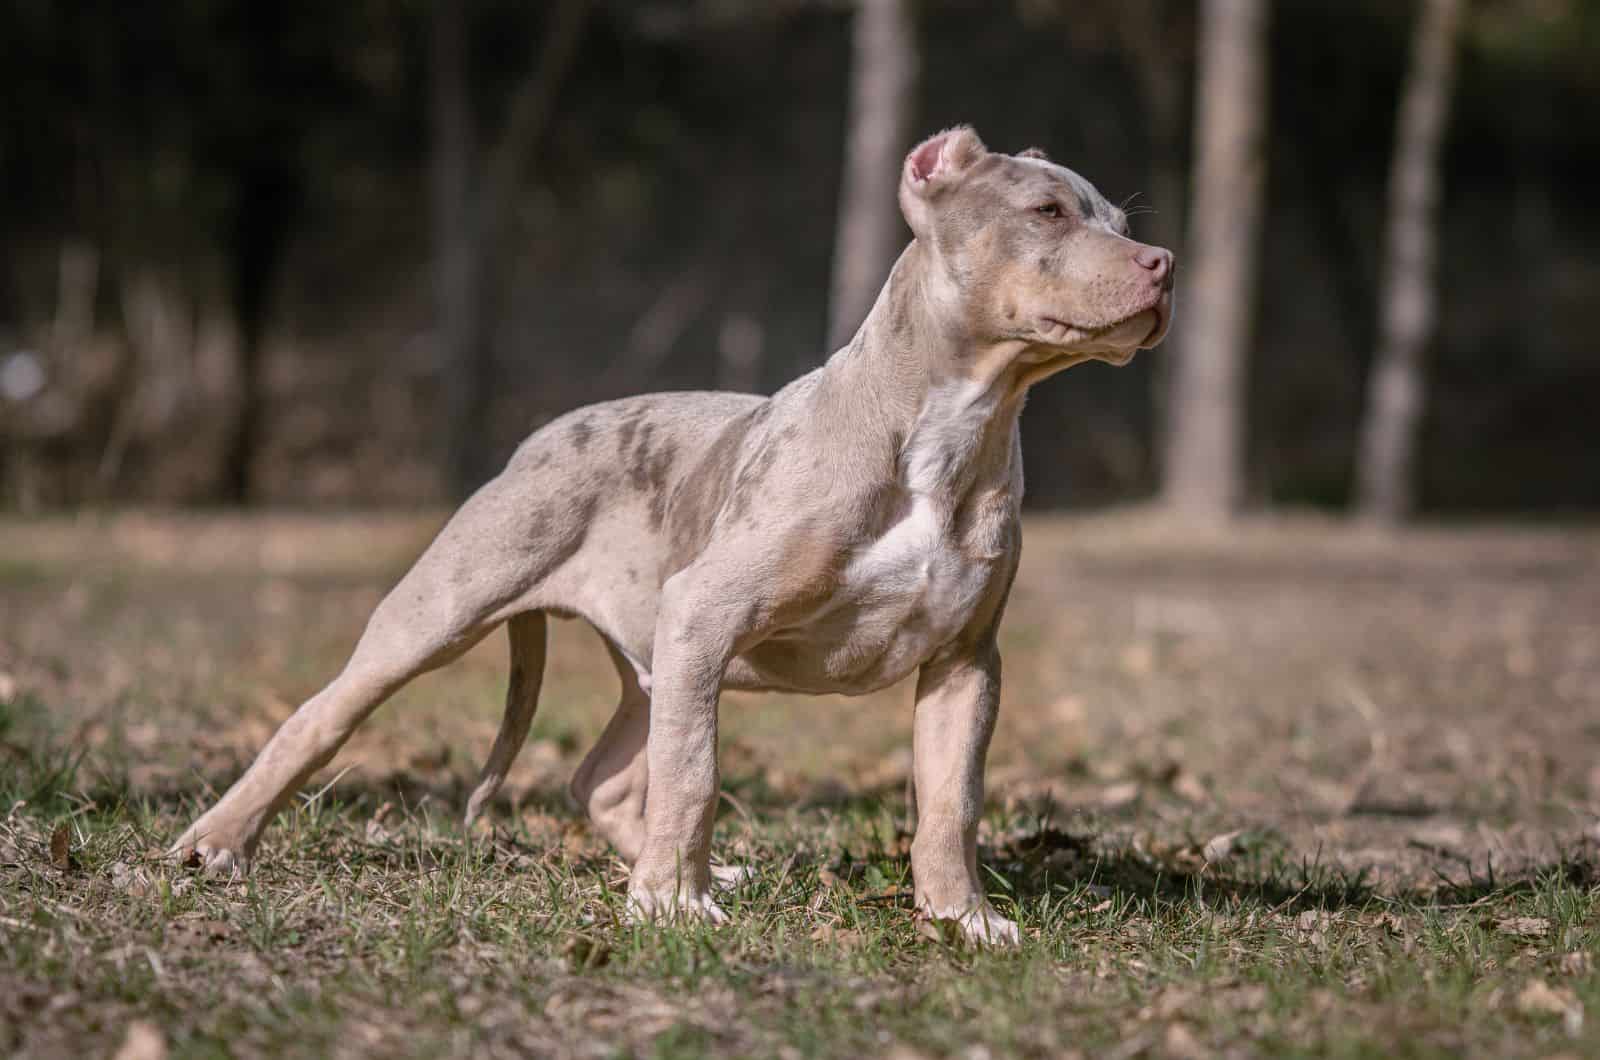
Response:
column 268, row 190
column 1386, row 487
column 870, row 235
column 459, row 253
column 1163, row 77
column 472, row 198
column 1204, row 472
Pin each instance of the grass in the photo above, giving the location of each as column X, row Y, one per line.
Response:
column 1242, row 802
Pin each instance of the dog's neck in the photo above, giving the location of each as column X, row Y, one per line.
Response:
column 918, row 379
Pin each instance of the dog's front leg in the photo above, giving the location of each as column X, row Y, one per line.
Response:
column 958, row 699
column 696, row 629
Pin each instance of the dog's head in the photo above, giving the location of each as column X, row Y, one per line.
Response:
column 1030, row 251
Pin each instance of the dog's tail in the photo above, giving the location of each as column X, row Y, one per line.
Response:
column 527, row 636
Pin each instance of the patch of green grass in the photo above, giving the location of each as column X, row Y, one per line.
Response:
column 418, row 939
column 18, row 571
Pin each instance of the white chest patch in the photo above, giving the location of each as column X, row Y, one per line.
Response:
column 915, row 579
column 917, row 574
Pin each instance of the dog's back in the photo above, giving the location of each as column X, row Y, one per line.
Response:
column 609, row 471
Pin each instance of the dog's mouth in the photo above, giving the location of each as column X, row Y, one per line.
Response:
column 1116, row 342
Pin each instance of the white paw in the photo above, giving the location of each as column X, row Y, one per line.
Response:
column 212, row 853
column 980, row 926
column 984, row 926
column 730, row 876
column 645, row 906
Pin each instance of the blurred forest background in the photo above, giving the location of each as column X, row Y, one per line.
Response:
column 351, row 253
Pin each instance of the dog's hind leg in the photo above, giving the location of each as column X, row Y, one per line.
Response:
column 480, row 570
column 390, row 653
column 526, row 633
column 610, row 783
column 225, row 837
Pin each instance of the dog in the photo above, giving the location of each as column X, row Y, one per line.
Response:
column 860, row 524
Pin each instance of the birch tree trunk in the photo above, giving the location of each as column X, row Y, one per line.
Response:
column 883, row 78
column 1204, row 471
column 1385, row 478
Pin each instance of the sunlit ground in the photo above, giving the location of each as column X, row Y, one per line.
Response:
column 1282, row 787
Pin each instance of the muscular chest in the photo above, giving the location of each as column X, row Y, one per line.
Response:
column 928, row 568
column 914, row 580
column 926, row 573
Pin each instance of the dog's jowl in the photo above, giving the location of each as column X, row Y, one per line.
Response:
column 857, row 526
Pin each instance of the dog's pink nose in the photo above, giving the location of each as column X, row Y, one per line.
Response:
column 1158, row 261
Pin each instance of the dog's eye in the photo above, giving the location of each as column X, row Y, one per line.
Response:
column 1049, row 209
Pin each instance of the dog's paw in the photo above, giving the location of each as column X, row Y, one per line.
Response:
column 212, row 852
column 647, row 906
column 985, row 927
column 981, row 926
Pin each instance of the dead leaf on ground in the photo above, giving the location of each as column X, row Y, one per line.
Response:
column 1180, row 1042
column 1391, row 923
column 61, row 856
column 1525, row 927
column 1312, row 926
column 1169, row 1004
column 1069, row 710
column 376, row 830
column 1189, row 788
column 142, row 1041
column 1539, row 998
column 1313, row 919
column 1120, row 795
column 130, row 880
column 1220, row 847
column 196, row 933
column 943, row 930
column 430, row 761
column 1138, row 658
column 1251, row 997
column 1578, row 962
column 829, row 935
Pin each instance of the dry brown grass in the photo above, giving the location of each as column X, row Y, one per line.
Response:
column 1285, row 788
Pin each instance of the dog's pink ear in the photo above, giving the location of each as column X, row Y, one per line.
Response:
column 935, row 164
column 940, row 157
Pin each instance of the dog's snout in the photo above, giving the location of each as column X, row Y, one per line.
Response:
column 1159, row 263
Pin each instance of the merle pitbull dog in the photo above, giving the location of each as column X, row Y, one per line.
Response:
column 859, row 524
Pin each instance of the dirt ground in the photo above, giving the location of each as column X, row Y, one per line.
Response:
column 1305, row 719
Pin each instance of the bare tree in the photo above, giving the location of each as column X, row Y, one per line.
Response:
column 1386, row 487
column 1156, row 38
column 269, row 184
column 883, row 79
column 459, row 252
column 472, row 199
column 1204, row 472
